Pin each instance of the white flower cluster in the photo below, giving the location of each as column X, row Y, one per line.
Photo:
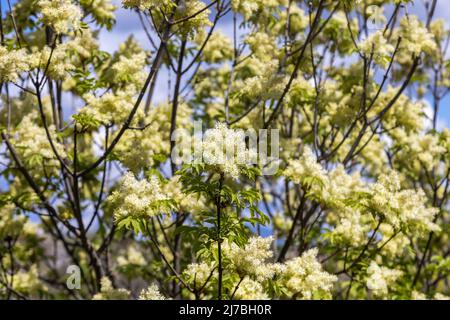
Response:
column 351, row 227
column 415, row 37
column 107, row 292
column 421, row 296
column 298, row 20
column 266, row 83
column 130, row 69
column 245, row 7
column 380, row 278
column 425, row 150
column 252, row 269
column 137, row 197
column 397, row 245
column 191, row 203
column 102, row 10
column 305, row 167
column 405, row 115
column 401, row 207
column 62, row 15
column 125, row 74
column 338, row 190
column 250, row 289
column 252, row 260
column 145, row 4
column 83, row 46
column 140, row 149
column 377, row 45
column 198, row 273
column 194, row 9
column 217, row 49
column 262, row 45
column 303, row 277
column 199, row 17
column 133, row 257
column 12, row 63
column 440, row 296
column 10, row 224
column 33, row 145
column 27, row 282
column 60, row 63
column 226, row 151
column 248, row 8
column 151, row 293
column 110, row 107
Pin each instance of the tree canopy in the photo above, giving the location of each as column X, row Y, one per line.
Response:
column 352, row 203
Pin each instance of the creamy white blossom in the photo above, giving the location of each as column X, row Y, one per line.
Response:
column 132, row 257
column 151, row 293
column 304, row 277
column 253, row 259
column 199, row 273
column 377, row 45
column 62, row 15
column 305, row 168
column 251, row 290
column 137, row 197
column 12, row 63
column 107, row 292
column 225, row 149
column 380, row 278
column 401, row 207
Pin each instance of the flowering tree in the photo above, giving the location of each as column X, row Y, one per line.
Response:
column 95, row 203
